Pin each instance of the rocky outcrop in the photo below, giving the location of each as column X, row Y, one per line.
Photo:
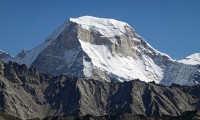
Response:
column 27, row 94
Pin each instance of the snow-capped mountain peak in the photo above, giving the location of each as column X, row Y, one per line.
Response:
column 3, row 52
column 106, row 49
column 107, row 27
column 4, row 56
column 193, row 59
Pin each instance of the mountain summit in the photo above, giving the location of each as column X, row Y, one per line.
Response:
column 106, row 49
column 193, row 59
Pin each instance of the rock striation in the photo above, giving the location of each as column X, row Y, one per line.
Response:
column 28, row 94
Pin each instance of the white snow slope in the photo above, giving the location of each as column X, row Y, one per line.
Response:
column 108, row 49
column 193, row 59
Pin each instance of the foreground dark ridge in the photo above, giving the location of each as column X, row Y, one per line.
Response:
column 28, row 94
column 188, row 115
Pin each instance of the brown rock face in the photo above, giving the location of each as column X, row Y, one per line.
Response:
column 26, row 93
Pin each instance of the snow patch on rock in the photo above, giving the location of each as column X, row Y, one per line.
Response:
column 124, row 68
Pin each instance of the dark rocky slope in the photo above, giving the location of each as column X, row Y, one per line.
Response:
column 28, row 94
column 188, row 115
column 4, row 116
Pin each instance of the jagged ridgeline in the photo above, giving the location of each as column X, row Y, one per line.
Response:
column 27, row 94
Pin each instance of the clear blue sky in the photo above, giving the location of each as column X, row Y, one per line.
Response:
column 170, row 26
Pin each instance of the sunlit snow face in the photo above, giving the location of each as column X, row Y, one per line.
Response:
column 106, row 27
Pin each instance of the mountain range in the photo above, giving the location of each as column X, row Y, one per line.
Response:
column 28, row 94
column 95, row 68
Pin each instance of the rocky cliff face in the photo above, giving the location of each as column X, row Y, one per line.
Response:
column 26, row 93
column 105, row 49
